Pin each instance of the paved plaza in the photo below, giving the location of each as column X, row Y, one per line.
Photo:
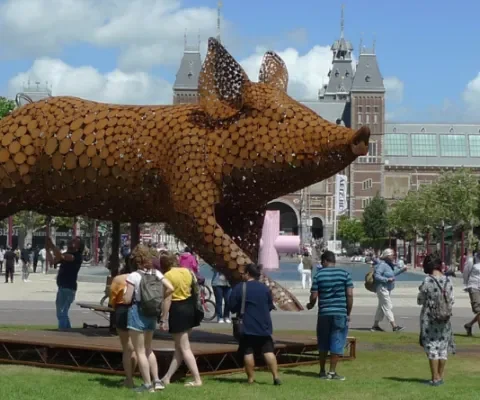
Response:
column 33, row 303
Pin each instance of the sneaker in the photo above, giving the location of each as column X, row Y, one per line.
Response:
column 436, row 383
column 228, row 321
column 277, row 382
column 398, row 328
column 158, row 385
column 221, row 321
column 144, row 388
column 376, row 329
column 324, row 375
column 334, row 376
column 468, row 329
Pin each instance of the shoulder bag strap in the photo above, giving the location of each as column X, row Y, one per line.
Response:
column 244, row 298
column 444, row 289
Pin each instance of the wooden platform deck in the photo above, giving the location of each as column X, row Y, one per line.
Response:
column 96, row 350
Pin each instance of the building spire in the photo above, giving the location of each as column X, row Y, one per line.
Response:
column 374, row 42
column 219, row 16
column 360, row 48
column 342, row 22
column 185, row 40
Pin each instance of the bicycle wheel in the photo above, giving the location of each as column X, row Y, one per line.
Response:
column 207, row 292
column 209, row 310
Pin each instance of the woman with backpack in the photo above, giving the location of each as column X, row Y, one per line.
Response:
column 436, row 336
column 146, row 288
column 180, row 307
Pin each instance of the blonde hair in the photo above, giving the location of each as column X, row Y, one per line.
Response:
column 142, row 257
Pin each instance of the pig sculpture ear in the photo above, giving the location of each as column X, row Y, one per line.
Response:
column 273, row 71
column 222, row 83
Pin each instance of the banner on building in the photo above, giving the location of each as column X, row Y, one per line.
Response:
column 341, row 201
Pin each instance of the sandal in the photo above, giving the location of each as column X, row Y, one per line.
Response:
column 193, row 384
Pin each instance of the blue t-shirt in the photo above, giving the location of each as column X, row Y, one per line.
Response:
column 258, row 304
column 68, row 272
column 331, row 284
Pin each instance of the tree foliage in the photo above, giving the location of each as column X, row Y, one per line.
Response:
column 375, row 220
column 350, row 230
column 6, row 106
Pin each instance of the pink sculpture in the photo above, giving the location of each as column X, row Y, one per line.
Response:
column 272, row 243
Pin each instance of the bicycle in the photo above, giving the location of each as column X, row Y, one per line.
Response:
column 208, row 305
column 206, row 290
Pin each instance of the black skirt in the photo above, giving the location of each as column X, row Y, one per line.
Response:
column 181, row 316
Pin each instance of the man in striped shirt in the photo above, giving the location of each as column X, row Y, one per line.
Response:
column 333, row 287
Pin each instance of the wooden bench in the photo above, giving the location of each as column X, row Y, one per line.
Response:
column 100, row 308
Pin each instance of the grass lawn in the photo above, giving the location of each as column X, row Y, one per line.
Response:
column 396, row 368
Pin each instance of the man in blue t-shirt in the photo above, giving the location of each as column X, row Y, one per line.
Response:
column 333, row 287
column 70, row 263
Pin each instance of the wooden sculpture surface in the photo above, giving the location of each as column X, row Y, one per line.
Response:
column 208, row 170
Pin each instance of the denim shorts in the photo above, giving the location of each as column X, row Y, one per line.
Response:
column 332, row 331
column 138, row 322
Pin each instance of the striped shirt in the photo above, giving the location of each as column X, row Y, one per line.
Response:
column 331, row 284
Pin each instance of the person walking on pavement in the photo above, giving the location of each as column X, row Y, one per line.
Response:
column 26, row 256
column 385, row 273
column 333, row 287
column 2, row 258
column 471, row 280
column 10, row 258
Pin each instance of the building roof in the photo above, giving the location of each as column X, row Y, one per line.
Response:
column 331, row 111
column 367, row 74
column 189, row 71
column 432, row 145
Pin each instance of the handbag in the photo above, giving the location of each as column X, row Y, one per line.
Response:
column 198, row 311
column 237, row 323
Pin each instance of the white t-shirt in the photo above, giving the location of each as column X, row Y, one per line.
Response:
column 2, row 254
column 43, row 254
column 135, row 277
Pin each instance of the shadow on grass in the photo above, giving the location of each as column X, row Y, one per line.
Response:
column 108, row 382
column 235, row 380
column 297, row 372
column 403, row 380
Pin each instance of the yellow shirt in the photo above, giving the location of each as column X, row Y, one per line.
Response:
column 181, row 280
column 117, row 290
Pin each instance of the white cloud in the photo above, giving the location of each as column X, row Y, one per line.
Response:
column 394, row 89
column 307, row 72
column 471, row 97
column 147, row 32
column 87, row 82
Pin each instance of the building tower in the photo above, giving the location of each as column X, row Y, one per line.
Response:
column 33, row 91
column 367, row 108
column 341, row 75
column 185, row 88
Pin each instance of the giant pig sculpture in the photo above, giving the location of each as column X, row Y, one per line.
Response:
column 208, row 170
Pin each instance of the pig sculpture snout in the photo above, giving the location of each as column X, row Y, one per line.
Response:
column 360, row 141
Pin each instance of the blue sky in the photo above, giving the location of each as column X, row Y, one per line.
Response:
column 429, row 46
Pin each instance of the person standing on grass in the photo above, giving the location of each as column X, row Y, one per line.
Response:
column 70, row 264
column 471, row 280
column 436, row 335
column 144, row 288
column 384, row 275
column 257, row 322
column 333, row 288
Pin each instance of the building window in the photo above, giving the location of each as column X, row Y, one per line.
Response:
column 359, row 109
column 375, row 118
column 424, row 145
column 359, row 118
column 474, row 142
column 367, row 184
column 453, row 146
column 367, row 118
column 372, row 156
column 366, row 202
column 375, row 109
column 367, row 109
column 396, row 144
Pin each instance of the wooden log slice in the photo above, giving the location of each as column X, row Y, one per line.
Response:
column 89, row 129
column 23, row 168
column 31, row 160
column 7, row 139
column 25, row 140
column 63, row 132
column 91, row 151
column 232, row 264
column 110, row 161
column 89, row 139
column 89, row 119
column 101, row 124
column 97, row 162
column 91, row 174
column 10, row 166
column 20, row 158
column 71, row 161
column 4, row 155
column 79, row 148
column 84, row 160
column 51, row 146
column 13, row 128
column 65, row 145
column 14, row 147
column 217, row 241
column 22, row 130
column 104, row 153
column 79, row 174
column 15, row 176
column 57, row 161
column 100, row 144
column 77, row 124
column 77, row 135
column 27, row 179
column 104, row 171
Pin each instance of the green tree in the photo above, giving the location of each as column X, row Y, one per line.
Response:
column 6, row 106
column 375, row 221
column 28, row 222
column 350, row 230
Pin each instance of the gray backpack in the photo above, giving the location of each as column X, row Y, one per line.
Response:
column 441, row 310
column 151, row 295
